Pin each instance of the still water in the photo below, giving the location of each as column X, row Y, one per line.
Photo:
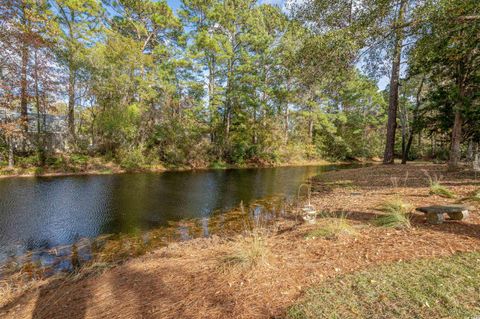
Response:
column 45, row 212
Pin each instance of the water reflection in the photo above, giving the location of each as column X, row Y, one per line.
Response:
column 48, row 215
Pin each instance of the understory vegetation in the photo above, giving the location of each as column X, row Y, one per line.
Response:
column 431, row 288
column 237, row 82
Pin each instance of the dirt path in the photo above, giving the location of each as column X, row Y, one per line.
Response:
column 191, row 280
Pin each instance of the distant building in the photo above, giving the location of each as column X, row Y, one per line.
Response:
column 54, row 127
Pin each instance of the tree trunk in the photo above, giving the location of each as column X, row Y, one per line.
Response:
column 10, row 153
column 310, row 128
column 228, row 102
column 404, row 121
column 211, row 95
column 388, row 156
column 40, row 146
column 434, row 144
column 23, row 87
column 406, row 149
column 456, row 140
column 470, row 150
column 455, row 152
column 285, row 128
column 71, row 102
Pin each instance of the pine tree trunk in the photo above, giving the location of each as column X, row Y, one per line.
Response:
column 23, row 88
column 388, row 156
column 40, row 144
column 71, row 103
column 455, row 152
column 285, row 128
column 456, row 140
column 10, row 153
column 406, row 149
column 211, row 95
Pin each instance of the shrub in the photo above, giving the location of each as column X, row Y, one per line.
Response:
column 56, row 162
column 79, row 159
column 131, row 159
column 27, row 161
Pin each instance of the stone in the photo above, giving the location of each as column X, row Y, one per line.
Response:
column 435, row 213
column 441, row 209
column 434, row 218
column 458, row 215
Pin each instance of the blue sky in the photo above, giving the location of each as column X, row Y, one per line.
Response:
column 174, row 4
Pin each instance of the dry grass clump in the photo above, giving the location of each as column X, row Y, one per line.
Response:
column 436, row 188
column 397, row 214
column 250, row 252
column 15, row 285
column 333, row 229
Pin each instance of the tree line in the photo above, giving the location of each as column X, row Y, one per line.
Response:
column 237, row 81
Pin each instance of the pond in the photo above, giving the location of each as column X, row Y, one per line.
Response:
column 39, row 213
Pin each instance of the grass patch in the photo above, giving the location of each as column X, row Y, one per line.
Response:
column 397, row 214
column 333, row 229
column 438, row 189
column 250, row 252
column 432, row 288
column 218, row 165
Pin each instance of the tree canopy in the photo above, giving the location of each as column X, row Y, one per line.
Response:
column 239, row 81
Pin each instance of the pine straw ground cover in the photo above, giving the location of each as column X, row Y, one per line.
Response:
column 262, row 275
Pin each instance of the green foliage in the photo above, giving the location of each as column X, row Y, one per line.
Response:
column 240, row 82
column 131, row 159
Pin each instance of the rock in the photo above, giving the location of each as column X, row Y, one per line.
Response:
column 434, row 218
column 458, row 215
column 442, row 209
column 435, row 213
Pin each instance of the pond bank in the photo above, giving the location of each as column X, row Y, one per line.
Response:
column 98, row 166
column 264, row 272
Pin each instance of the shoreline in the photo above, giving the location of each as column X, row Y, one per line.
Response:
column 113, row 169
column 344, row 240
